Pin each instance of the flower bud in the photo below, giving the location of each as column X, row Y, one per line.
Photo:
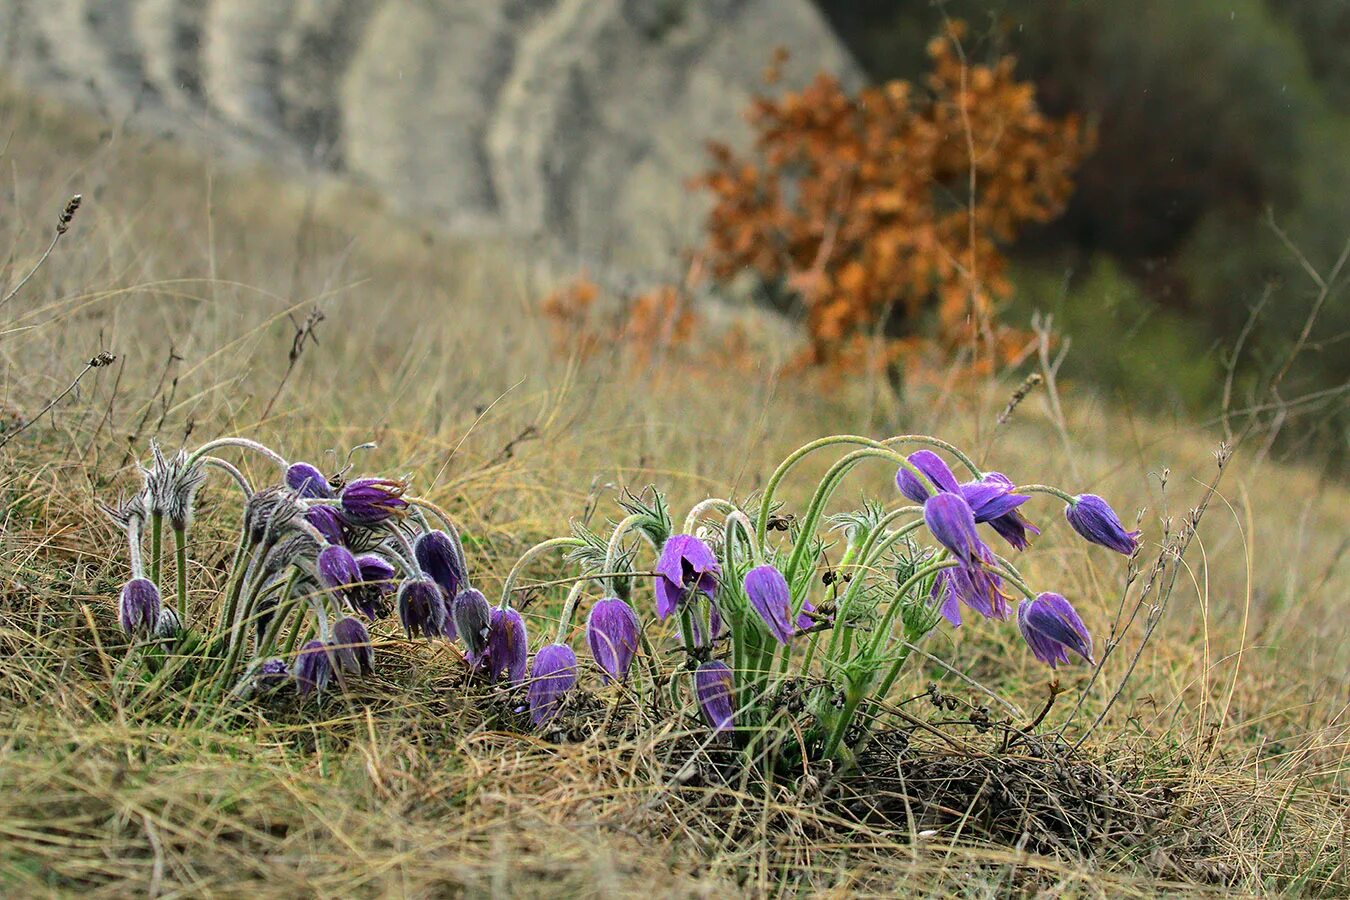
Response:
column 1094, row 519
column 327, row 521
column 507, row 646
column 554, row 674
column 713, row 685
column 351, row 646
column 313, row 668
column 473, row 620
column 612, row 631
column 1051, row 628
column 307, row 481
column 373, row 501
column 439, row 559
column 771, row 599
column 168, row 624
column 138, row 608
column 338, row 569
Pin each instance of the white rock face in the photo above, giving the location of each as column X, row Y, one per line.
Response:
column 575, row 121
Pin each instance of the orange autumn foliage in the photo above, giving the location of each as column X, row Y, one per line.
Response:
column 891, row 206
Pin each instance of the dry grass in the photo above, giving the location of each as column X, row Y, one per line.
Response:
column 1233, row 727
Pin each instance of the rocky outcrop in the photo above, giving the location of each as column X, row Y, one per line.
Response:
column 578, row 120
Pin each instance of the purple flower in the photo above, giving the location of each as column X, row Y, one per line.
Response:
column 612, row 631
column 805, row 621
column 772, row 600
column 473, row 620
column 554, row 674
column 507, row 646
column 993, row 501
column 337, row 568
column 1097, row 522
column 313, row 668
column 370, row 596
column 686, row 563
column 138, row 607
column 976, row 587
column 272, row 674
column 307, row 481
column 936, row 471
column 952, row 522
column 1052, row 628
column 351, row 646
column 713, row 685
column 421, row 608
column 327, row 521
column 373, row 501
column 439, row 559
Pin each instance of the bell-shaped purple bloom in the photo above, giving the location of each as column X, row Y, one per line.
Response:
column 308, row 481
column 713, row 685
column 952, row 522
column 337, row 569
column 1052, row 628
column 313, row 668
column 138, row 607
column 351, row 646
column 1096, row 521
column 554, row 674
column 272, row 674
column 612, row 632
column 473, row 620
column 439, row 559
column 421, row 608
column 327, row 521
column 373, row 501
column 771, row 599
column 371, row 596
column 936, row 471
column 508, row 647
column 976, row 587
column 686, row 564
column 993, row 500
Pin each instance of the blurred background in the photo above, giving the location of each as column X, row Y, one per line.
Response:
column 1169, row 156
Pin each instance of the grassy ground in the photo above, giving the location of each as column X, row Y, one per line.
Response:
column 1233, row 727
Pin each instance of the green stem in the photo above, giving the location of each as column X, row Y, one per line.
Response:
column 528, row 555
column 1046, row 489
column 236, row 582
column 703, row 506
column 616, row 544
column 180, row 561
column 156, row 545
column 245, row 443
column 888, row 620
column 766, row 502
column 285, row 606
column 569, row 607
column 870, row 551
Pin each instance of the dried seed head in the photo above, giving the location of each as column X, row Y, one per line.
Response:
column 269, row 512
column 169, row 624
column 68, row 213
column 171, row 484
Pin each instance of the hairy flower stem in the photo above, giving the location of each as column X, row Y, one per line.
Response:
column 883, row 631
column 871, row 551
column 286, row 606
column 180, row 561
column 569, row 607
column 156, row 545
column 231, row 470
column 702, row 507
column 235, row 583
column 450, row 528
column 245, row 443
column 766, row 502
column 626, row 524
column 1045, row 489
column 528, row 555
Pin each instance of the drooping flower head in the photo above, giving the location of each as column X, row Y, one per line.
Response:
column 975, row 586
column 351, row 646
column 438, row 557
column 1052, row 628
column 993, row 500
column 507, row 646
column 327, row 521
column 952, row 522
column 771, row 599
column 373, row 501
column 1094, row 519
column 307, row 481
column 473, row 620
column 313, row 668
column 686, row 564
column 612, row 631
column 371, row 596
column 337, row 568
column 169, row 624
column 713, row 684
column 421, row 608
column 553, row 674
column 138, row 607
column 269, row 512
column 932, row 466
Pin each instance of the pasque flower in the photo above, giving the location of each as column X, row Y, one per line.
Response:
column 439, row 559
column 686, row 564
column 612, row 630
column 554, row 674
column 351, row 646
column 932, row 466
column 975, row 586
column 373, row 501
column 272, row 674
column 313, row 668
column 507, row 646
column 421, row 608
column 371, row 596
column 473, row 620
column 138, row 607
column 1052, row 628
column 327, row 521
column 307, row 481
column 991, row 499
column 713, row 685
column 951, row 520
column 1094, row 519
column 771, row 599
column 337, row 568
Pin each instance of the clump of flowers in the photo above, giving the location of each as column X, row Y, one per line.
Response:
column 742, row 594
